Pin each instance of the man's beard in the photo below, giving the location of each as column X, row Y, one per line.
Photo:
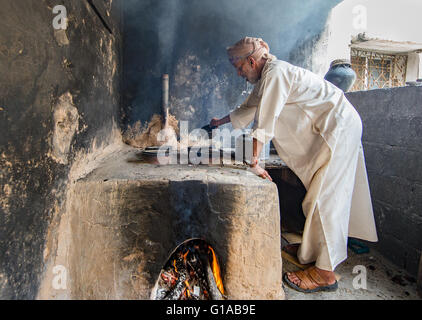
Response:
column 253, row 79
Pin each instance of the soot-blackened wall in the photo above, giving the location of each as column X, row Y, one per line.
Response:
column 59, row 92
column 187, row 39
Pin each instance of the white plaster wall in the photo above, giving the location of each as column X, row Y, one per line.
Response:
column 385, row 19
column 414, row 67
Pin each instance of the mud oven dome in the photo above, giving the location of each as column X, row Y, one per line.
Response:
column 127, row 219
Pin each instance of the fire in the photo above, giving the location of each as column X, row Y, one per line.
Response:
column 174, row 264
column 187, row 288
column 187, row 274
column 185, row 255
column 216, row 271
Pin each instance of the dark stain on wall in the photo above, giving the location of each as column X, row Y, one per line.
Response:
column 55, row 85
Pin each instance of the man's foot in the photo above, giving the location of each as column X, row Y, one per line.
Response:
column 291, row 249
column 312, row 279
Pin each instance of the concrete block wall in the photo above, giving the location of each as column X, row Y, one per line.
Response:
column 392, row 140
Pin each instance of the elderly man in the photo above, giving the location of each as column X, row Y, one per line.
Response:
column 317, row 133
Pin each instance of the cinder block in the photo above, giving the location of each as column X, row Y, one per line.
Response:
column 402, row 131
column 391, row 190
column 406, row 101
column 392, row 249
column 392, row 131
column 399, row 253
column 398, row 224
column 373, row 157
column 399, row 162
column 416, row 191
column 374, row 127
column 371, row 102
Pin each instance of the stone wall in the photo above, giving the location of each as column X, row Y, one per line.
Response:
column 392, row 131
column 59, row 98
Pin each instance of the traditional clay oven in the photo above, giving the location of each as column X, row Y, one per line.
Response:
column 126, row 218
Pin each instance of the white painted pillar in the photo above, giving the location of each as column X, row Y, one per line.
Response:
column 414, row 67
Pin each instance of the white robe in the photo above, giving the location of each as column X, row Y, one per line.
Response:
column 317, row 133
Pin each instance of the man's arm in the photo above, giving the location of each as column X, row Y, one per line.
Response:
column 215, row 122
column 257, row 148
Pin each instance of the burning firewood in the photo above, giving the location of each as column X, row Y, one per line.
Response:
column 190, row 273
column 178, row 290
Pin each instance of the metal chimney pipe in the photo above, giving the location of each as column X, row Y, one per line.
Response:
column 165, row 105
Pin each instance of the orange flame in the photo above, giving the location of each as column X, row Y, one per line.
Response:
column 174, row 264
column 187, row 288
column 216, row 271
column 185, row 255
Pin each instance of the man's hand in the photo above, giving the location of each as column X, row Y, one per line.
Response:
column 261, row 172
column 215, row 122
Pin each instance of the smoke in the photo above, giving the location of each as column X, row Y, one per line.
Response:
column 187, row 39
column 167, row 26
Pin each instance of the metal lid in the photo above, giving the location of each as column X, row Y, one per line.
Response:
column 340, row 61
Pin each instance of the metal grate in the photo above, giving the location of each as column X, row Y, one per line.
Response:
column 376, row 70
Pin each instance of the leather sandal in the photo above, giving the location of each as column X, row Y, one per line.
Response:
column 310, row 281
